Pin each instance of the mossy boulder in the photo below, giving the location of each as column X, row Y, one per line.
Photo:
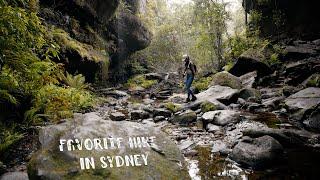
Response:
column 251, row 60
column 51, row 163
column 247, row 93
column 226, row 79
column 207, row 106
column 173, row 107
column 184, row 118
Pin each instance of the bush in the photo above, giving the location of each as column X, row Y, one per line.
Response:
column 202, row 84
column 8, row 137
column 57, row 103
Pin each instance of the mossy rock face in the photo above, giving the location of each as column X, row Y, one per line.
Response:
column 226, row 79
column 51, row 163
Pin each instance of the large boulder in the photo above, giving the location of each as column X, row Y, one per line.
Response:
column 313, row 122
column 217, row 96
column 303, row 101
column 163, row 156
column 132, row 34
column 248, row 80
column 297, row 72
column 258, row 152
column 221, row 117
column 184, row 118
column 226, row 79
column 249, row 62
column 14, row 176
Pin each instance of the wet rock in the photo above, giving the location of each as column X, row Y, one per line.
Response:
column 50, row 163
column 184, row 145
column 190, row 153
column 14, row 176
column 249, row 62
column 299, row 52
column 218, row 146
column 184, row 118
column 154, row 76
column 313, row 122
column 139, row 114
column 161, row 112
column 159, row 119
column 297, row 72
column 213, row 128
column 302, row 101
column 248, row 80
column 258, row 153
column 226, row 79
column 117, row 116
column 287, row 137
column 247, row 93
column 114, row 93
column 217, row 95
column 273, row 103
column 222, row 117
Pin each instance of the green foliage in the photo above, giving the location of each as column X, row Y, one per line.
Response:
column 77, row 81
column 207, row 106
column 140, row 81
column 60, row 102
column 172, row 107
column 28, row 72
column 314, row 81
column 84, row 50
column 8, row 137
column 202, row 84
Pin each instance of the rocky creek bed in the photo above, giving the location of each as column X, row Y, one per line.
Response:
column 253, row 128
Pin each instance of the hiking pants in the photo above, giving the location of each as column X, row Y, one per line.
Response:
column 188, row 84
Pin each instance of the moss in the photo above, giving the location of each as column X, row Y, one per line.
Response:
column 202, row 84
column 313, row 81
column 226, row 79
column 141, row 81
column 85, row 51
column 173, row 107
column 207, row 106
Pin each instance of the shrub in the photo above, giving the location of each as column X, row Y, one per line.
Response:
column 202, row 84
column 59, row 102
column 8, row 137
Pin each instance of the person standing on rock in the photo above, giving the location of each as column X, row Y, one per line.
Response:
column 189, row 72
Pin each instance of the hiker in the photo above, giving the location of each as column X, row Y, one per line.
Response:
column 189, row 71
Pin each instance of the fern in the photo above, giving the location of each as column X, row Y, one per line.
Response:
column 77, row 81
column 8, row 137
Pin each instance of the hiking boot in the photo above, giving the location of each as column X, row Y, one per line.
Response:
column 194, row 98
column 187, row 100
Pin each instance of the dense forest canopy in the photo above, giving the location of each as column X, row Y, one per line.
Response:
column 201, row 29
